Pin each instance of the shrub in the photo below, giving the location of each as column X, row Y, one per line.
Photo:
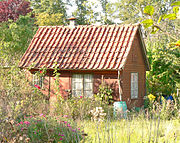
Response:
column 79, row 108
column 105, row 93
column 164, row 109
column 43, row 129
column 17, row 97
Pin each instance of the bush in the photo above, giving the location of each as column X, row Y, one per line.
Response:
column 164, row 109
column 79, row 108
column 17, row 96
column 42, row 129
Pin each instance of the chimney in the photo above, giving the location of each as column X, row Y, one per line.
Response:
column 72, row 22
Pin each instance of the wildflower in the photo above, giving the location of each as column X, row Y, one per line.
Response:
column 81, row 96
column 41, row 115
column 68, row 125
column 41, row 71
column 37, row 86
column 61, row 139
column 21, row 129
column 73, row 130
column 21, row 123
column 151, row 97
column 65, row 122
column 78, row 128
column 26, row 122
column 62, row 135
column 59, row 134
column 65, row 116
column 30, row 116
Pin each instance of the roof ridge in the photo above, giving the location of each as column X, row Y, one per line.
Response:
column 92, row 25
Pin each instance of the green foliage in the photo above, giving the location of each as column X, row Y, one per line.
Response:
column 149, row 10
column 108, row 11
column 42, row 129
column 84, row 12
column 17, row 97
column 45, row 19
column 176, row 3
column 164, row 74
column 49, row 12
column 79, row 108
column 147, row 23
column 105, row 93
column 15, row 38
column 135, row 129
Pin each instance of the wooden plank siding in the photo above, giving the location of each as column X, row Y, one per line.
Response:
column 135, row 63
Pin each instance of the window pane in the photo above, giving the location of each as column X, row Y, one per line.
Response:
column 134, row 85
column 88, row 86
column 87, row 78
column 77, row 77
column 88, row 93
column 77, row 84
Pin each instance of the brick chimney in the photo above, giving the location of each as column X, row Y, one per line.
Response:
column 72, row 21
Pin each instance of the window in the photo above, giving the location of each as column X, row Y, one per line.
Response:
column 38, row 80
column 82, row 85
column 134, row 85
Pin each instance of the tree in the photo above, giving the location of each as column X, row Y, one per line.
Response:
column 81, row 12
column 15, row 38
column 131, row 11
column 45, row 19
column 164, row 55
column 107, row 12
column 52, row 11
column 11, row 9
column 164, row 74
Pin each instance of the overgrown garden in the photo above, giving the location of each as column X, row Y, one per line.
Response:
column 24, row 111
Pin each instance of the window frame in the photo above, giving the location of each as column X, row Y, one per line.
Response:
column 133, row 91
column 83, row 84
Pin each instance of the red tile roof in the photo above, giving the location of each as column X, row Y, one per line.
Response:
column 83, row 47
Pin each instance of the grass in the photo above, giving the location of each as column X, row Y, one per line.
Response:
column 134, row 130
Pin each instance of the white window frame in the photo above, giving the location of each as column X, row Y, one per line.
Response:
column 38, row 80
column 82, row 83
column 134, row 85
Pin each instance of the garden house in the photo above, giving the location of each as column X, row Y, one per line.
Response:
column 86, row 55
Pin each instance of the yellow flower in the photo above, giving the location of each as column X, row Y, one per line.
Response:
column 151, row 97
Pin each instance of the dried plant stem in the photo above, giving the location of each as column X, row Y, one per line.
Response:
column 157, row 136
column 151, row 121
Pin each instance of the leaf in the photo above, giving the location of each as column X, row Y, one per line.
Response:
column 170, row 16
column 160, row 18
column 175, row 3
column 154, row 30
column 147, row 23
column 149, row 10
column 176, row 9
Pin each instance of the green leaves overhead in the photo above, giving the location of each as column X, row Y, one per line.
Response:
column 147, row 23
column 149, row 10
column 175, row 3
column 176, row 9
column 170, row 16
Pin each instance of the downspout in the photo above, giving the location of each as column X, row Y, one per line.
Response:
column 120, row 89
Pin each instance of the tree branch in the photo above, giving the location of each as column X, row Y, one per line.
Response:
column 158, row 27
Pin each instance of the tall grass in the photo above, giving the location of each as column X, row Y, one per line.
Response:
column 134, row 129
